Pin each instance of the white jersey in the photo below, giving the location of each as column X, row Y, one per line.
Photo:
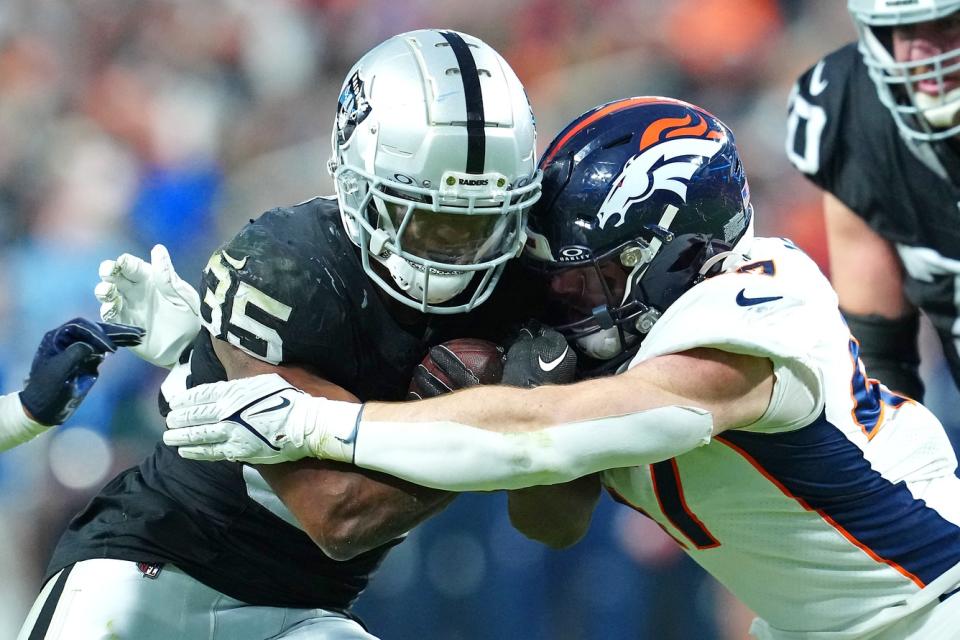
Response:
column 834, row 522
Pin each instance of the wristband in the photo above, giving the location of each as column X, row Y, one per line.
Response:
column 330, row 427
column 15, row 427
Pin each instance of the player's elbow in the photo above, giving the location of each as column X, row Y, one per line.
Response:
column 340, row 540
column 342, row 549
column 555, row 515
column 554, row 537
column 339, row 547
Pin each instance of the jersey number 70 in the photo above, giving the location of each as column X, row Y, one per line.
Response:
column 805, row 123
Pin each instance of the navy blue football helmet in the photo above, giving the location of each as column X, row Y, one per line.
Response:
column 642, row 199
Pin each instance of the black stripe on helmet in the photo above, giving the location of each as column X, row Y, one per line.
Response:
column 476, row 136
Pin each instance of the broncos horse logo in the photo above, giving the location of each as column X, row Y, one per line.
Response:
column 671, row 151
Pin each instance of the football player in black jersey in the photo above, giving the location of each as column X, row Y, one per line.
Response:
column 434, row 165
column 875, row 124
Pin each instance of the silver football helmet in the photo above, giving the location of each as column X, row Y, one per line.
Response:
column 434, row 161
column 919, row 115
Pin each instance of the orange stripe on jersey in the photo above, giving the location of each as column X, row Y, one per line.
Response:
column 826, row 517
column 761, row 268
column 613, row 107
column 869, row 388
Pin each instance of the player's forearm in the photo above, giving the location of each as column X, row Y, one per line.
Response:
column 381, row 508
column 15, row 426
column 500, row 438
column 461, row 457
column 734, row 388
column 345, row 511
column 486, row 438
column 514, row 410
column 493, row 408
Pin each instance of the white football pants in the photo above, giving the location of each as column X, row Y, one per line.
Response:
column 114, row 600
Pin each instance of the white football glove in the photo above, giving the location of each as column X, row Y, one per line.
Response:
column 154, row 297
column 260, row 420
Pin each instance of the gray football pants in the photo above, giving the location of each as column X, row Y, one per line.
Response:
column 114, row 600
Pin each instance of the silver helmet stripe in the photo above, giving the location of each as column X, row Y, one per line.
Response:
column 476, row 136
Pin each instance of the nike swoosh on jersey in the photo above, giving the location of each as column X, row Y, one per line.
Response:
column 233, row 262
column 283, row 403
column 551, row 365
column 744, row 301
column 817, row 83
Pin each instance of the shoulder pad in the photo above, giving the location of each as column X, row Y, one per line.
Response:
column 770, row 306
column 285, row 275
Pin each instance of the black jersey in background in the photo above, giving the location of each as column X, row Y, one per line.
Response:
column 843, row 138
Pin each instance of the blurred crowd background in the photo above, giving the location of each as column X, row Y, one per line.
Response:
column 124, row 123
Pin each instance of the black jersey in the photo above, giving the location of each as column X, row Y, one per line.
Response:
column 843, row 138
column 289, row 288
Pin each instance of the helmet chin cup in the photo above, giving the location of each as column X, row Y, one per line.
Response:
column 941, row 112
column 413, row 280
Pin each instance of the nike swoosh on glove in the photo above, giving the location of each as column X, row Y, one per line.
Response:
column 64, row 368
column 150, row 295
column 539, row 356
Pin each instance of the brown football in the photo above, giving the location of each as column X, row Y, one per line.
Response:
column 482, row 357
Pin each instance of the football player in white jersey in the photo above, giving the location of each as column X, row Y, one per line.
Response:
column 745, row 424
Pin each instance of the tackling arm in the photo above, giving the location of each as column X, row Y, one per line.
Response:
column 504, row 438
column 489, row 438
column 345, row 510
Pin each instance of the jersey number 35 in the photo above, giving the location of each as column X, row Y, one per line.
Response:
column 241, row 314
